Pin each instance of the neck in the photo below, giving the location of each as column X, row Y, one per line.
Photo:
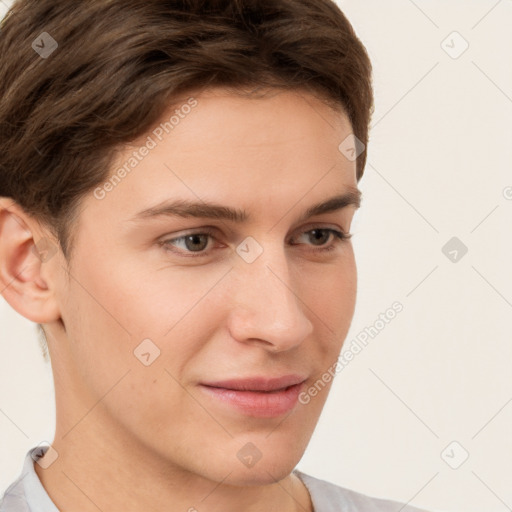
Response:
column 99, row 469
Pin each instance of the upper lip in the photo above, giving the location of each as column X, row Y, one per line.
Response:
column 258, row 383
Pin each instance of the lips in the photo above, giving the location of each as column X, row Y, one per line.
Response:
column 264, row 384
column 263, row 397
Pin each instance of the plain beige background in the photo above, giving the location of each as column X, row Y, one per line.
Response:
column 439, row 166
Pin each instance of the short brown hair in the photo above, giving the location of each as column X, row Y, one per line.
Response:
column 120, row 63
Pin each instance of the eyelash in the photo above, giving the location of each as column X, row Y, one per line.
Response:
column 340, row 237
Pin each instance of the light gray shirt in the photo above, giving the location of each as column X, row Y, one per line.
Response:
column 27, row 494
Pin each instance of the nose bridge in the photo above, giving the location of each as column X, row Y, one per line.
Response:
column 267, row 307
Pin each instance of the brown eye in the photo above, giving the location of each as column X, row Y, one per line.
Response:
column 195, row 244
column 322, row 235
column 190, row 243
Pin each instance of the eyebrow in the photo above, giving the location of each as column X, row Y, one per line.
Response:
column 203, row 210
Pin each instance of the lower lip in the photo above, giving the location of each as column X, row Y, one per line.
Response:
column 258, row 403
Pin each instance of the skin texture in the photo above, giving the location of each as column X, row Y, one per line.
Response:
column 133, row 437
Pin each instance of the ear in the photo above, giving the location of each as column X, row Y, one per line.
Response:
column 29, row 262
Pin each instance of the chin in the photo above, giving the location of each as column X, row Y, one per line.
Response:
column 256, row 478
column 264, row 472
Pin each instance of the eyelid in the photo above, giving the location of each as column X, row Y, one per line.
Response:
column 212, row 230
column 339, row 234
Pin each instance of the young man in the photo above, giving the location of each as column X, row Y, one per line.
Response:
column 178, row 181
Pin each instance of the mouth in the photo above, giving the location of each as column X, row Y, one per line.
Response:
column 265, row 384
column 264, row 398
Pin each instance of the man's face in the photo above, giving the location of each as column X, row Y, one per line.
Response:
column 260, row 298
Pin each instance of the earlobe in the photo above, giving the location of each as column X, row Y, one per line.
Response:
column 25, row 265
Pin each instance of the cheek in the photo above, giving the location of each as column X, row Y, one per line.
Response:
column 112, row 309
column 334, row 309
column 331, row 294
column 107, row 323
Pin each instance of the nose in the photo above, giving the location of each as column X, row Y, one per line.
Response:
column 266, row 307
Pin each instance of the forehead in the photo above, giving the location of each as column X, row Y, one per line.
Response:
column 270, row 123
column 234, row 150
